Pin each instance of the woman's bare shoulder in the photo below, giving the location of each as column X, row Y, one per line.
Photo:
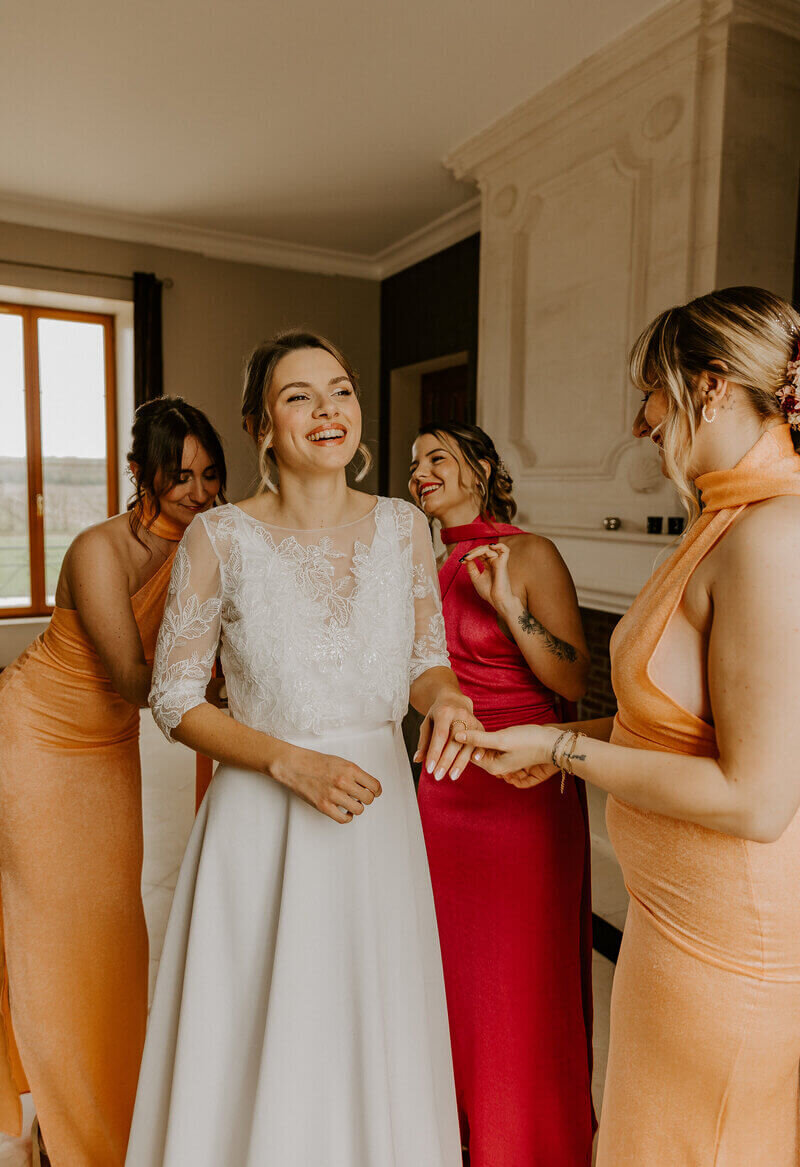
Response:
column 531, row 548
column 107, row 536
column 107, row 546
column 775, row 521
column 763, row 541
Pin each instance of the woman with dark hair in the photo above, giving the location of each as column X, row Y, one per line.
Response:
column 510, row 872
column 701, row 761
column 73, row 940
column 299, row 1017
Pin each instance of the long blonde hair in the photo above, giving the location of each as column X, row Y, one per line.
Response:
column 749, row 333
column 260, row 369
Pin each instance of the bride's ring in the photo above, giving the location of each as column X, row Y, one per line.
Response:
column 453, row 724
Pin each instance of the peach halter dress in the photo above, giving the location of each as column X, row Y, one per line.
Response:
column 705, row 1012
column 73, row 939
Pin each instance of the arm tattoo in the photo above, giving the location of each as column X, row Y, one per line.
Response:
column 559, row 648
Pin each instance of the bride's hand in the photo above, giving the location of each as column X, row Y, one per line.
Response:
column 449, row 713
column 333, row 786
column 519, row 754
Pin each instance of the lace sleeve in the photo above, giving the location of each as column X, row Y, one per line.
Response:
column 430, row 643
column 189, row 633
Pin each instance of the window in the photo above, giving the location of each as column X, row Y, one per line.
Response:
column 57, row 445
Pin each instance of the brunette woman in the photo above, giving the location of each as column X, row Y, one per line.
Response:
column 701, row 762
column 299, row 1016
column 73, row 932
column 510, row 868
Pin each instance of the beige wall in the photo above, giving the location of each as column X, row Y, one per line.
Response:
column 213, row 315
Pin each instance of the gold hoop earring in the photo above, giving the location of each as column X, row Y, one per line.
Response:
column 366, row 461
column 265, row 470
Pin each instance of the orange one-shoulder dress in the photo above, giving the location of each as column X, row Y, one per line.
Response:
column 705, row 1014
column 73, row 939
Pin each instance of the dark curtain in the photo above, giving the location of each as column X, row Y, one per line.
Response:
column 148, row 359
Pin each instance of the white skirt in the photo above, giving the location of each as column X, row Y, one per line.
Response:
column 299, row 1017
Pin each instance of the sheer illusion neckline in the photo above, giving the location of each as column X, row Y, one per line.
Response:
column 308, row 530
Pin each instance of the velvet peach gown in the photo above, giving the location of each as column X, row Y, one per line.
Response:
column 511, row 881
column 705, row 1014
column 73, row 939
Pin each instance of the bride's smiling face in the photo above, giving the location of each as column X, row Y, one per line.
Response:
column 316, row 416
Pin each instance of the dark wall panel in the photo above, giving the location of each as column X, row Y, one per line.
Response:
column 428, row 311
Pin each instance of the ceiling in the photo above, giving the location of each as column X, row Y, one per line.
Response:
column 308, row 123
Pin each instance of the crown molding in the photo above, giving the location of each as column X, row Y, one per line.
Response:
column 228, row 245
column 671, row 26
column 443, row 232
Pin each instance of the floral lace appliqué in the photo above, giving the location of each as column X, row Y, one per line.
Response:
column 314, row 634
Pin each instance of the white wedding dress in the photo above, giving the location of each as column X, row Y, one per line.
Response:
column 299, row 1017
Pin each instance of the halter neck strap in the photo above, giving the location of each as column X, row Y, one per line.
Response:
column 159, row 524
column 481, row 529
column 769, row 468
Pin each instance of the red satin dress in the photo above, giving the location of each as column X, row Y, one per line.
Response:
column 511, row 881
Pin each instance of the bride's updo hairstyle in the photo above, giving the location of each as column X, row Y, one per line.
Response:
column 259, row 371
column 493, row 488
column 160, row 428
column 747, row 335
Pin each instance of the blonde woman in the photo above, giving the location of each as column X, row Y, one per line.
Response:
column 701, row 762
column 299, row 1016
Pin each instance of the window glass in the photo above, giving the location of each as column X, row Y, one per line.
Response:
column 73, row 425
column 15, row 572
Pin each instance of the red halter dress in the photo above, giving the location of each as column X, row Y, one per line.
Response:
column 511, row 881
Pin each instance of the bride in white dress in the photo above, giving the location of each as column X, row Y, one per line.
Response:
column 299, row 1018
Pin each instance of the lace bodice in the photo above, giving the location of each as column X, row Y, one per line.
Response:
column 318, row 629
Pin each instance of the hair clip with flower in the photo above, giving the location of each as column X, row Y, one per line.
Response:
column 789, row 392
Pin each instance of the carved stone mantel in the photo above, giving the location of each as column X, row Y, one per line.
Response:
column 605, row 198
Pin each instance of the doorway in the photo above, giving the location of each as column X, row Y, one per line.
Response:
column 423, row 394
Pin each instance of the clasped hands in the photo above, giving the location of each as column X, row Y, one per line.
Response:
column 520, row 755
column 438, row 747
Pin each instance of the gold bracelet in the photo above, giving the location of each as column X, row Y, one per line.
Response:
column 567, row 757
column 554, row 752
column 561, row 755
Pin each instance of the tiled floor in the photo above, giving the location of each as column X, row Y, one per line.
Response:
column 168, row 803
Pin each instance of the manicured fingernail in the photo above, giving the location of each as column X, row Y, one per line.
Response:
column 417, row 756
column 476, row 757
column 455, row 774
column 429, row 767
column 439, row 774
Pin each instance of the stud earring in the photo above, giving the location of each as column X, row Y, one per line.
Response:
column 705, row 415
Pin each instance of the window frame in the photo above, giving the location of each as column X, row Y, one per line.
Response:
column 31, row 314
